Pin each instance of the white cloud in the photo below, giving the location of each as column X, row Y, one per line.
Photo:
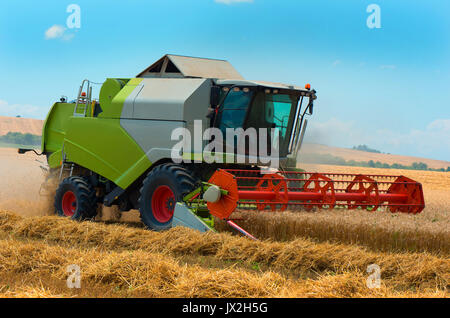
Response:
column 232, row 1
column 24, row 110
column 431, row 142
column 440, row 124
column 54, row 32
column 58, row 32
column 68, row 36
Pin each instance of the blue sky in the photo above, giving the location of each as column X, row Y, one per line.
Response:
column 387, row 87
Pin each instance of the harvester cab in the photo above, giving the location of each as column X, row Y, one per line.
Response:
column 184, row 142
column 270, row 108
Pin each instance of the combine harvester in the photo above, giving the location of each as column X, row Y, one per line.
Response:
column 119, row 150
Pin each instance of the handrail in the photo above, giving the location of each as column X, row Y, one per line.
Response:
column 87, row 99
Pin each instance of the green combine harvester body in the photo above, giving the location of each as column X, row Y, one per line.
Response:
column 101, row 142
column 111, row 144
column 119, row 149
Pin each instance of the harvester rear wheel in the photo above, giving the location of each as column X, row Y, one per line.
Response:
column 163, row 187
column 75, row 198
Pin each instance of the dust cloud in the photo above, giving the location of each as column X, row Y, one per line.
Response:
column 21, row 178
column 27, row 190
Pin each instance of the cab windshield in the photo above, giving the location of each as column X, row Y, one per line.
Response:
column 245, row 108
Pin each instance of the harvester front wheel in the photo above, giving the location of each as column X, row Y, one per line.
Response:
column 163, row 187
column 75, row 198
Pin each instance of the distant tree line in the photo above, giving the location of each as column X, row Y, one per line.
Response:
column 365, row 148
column 328, row 159
column 21, row 139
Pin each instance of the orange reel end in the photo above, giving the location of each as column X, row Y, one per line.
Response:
column 227, row 203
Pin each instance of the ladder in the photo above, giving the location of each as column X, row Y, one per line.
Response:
column 68, row 167
column 83, row 101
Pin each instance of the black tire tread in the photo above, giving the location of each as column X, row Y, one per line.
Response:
column 182, row 176
column 86, row 197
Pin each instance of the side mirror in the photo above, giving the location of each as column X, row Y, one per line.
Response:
column 215, row 96
column 312, row 98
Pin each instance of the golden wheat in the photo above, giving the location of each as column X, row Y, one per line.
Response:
column 378, row 231
column 298, row 257
column 305, row 256
column 38, row 269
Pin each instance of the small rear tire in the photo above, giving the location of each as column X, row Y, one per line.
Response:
column 76, row 198
column 163, row 187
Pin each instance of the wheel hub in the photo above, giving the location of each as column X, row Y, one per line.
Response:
column 69, row 203
column 163, row 203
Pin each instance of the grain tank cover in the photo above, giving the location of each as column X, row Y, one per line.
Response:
column 176, row 66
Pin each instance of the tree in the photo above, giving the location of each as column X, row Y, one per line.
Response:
column 365, row 148
column 419, row 166
column 21, row 139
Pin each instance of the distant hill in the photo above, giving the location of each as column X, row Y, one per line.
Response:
column 358, row 155
column 22, row 125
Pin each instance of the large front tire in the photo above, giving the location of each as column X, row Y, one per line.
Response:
column 76, row 198
column 165, row 185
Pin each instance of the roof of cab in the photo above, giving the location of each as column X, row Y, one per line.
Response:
column 259, row 83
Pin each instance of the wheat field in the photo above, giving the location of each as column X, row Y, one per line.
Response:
column 117, row 260
column 320, row 254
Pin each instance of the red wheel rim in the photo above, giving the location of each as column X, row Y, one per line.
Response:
column 69, row 203
column 163, row 204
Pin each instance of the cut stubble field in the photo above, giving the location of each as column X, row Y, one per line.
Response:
column 301, row 254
